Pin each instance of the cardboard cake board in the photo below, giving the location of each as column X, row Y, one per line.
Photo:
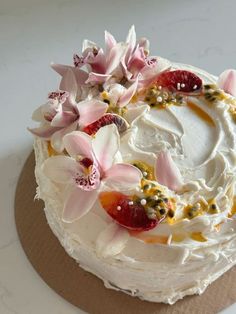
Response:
column 83, row 289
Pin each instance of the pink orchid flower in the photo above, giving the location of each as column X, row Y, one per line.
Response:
column 227, row 81
column 127, row 60
column 88, row 167
column 137, row 63
column 62, row 114
column 167, row 173
column 119, row 95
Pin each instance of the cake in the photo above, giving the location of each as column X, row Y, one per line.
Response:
column 135, row 162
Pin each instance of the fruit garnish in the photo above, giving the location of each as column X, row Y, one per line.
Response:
column 180, row 81
column 107, row 119
column 127, row 211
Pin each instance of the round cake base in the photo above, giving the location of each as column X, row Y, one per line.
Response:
column 83, row 289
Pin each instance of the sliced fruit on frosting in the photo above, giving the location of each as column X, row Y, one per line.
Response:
column 107, row 119
column 126, row 211
column 179, row 80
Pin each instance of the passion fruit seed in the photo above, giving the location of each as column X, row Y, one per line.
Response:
column 213, row 209
column 160, row 98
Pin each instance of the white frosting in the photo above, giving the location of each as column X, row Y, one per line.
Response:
column 205, row 155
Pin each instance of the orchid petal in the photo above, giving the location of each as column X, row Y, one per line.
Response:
column 112, row 240
column 115, row 91
column 90, row 111
column 63, row 119
column 56, row 139
column 144, row 43
column 115, row 56
column 125, row 71
column 89, row 180
column 80, row 75
column 167, row 173
column 135, row 112
column 131, row 39
column 105, row 145
column 78, row 203
column 137, row 61
column 69, row 84
column 123, row 176
column 61, row 169
column 110, row 41
column 45, row 131
column 38, row 115
column 128, row 94
column 60, row 68
column 96, row 61
column 149, row 72
column 88, row 44
column 78, row 143
column 227, row 81
column 78, row 61
column 97, row 78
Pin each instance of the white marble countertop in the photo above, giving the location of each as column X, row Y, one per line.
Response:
column 35, row 32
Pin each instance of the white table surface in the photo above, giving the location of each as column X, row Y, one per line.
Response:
column 35, row 32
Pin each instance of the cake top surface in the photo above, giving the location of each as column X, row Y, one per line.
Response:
column 146, row 143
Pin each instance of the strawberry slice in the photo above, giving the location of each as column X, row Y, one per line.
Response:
column 179, row 80
column 126, row 212
column 108, row 118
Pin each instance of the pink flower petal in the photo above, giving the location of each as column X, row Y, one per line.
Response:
column 88, row 44
column 45, row 131
column 38, row 115
column 112, row 240
column 135, row 112
column 90, row 111
column 78, row 204
column 57, row 137
column 61, row 169
column 96, row 61
column 88, row 181
column 123, row 176
column 227, row 81
column 167, row 172
column 144, row 43
column 105, row 145
column 150, row 71
column 128, row 94
column 131, row 41
column 69, row 84
column 78, row 143
column 60, row 68
column 81, row 76
column 78, row 61
column 114, row 59
column 137, row 61
column 97, row 78
column 63, row 119
column 110, row 41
